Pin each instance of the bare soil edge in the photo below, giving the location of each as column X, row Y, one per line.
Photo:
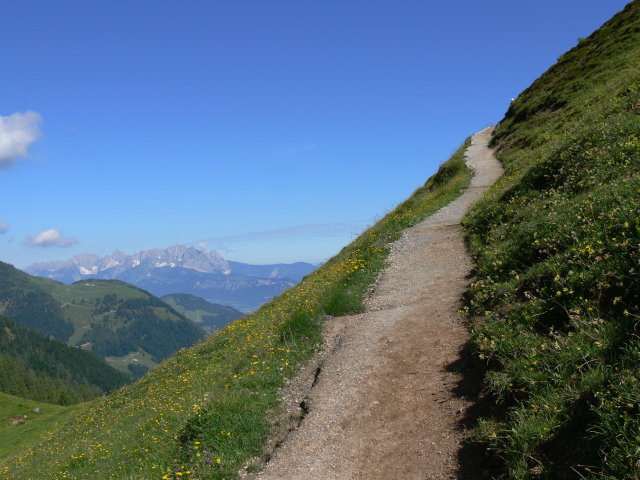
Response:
column 296, row 397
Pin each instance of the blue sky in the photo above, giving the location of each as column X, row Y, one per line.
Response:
column 271, row 131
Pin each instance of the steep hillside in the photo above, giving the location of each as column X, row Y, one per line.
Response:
column 29, row 306
column 555, row 307
column 36, row 368
column 210, row 316
column 208, row 410
column 22, row 421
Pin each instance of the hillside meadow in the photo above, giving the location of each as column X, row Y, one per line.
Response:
column 23, row 420
column 555, row 305
column 210, row 409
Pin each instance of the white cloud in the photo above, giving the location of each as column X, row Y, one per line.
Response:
column 202, row 245
column 4, row 227
column 50, row 238
column 17, row 133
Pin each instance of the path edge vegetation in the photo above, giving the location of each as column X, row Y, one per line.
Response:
column 210, row 410
column 555, row 305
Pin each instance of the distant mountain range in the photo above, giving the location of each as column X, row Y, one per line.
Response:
column 182, row 269
column 89, row 265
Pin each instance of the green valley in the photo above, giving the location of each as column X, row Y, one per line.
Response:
column 210, row 316
column 123, row 324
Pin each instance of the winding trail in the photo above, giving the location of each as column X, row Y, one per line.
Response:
column 383, row 404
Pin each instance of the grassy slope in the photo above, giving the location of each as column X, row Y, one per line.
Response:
column 14, row 436
column 557, row 240
column 206, row 411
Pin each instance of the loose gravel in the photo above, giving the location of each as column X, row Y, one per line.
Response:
column 382, row 401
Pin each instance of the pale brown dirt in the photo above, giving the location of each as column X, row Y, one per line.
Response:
column 384, row 399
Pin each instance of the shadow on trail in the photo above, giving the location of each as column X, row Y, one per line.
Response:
column 475, row 462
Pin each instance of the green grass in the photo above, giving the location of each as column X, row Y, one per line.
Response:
column 140, row 357
column 208, row 410
column 17, row 432
column 555, row 307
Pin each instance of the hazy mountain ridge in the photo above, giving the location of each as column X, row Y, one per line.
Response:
column 294, row 271
column 181, row 269
column 87, row 265
column 238, row 291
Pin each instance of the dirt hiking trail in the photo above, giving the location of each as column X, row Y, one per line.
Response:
column 382, row 402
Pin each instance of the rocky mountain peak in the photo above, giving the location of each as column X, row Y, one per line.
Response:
column 86, row 265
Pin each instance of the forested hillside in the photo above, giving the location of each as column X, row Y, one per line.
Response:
column 115, row 320
column 36, row 368
column 159, row 333
column 28, row 305
column 556, row 304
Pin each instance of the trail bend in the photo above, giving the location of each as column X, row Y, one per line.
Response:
column 386, row 403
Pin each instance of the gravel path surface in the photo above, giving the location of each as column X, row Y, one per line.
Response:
column 380, row 403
